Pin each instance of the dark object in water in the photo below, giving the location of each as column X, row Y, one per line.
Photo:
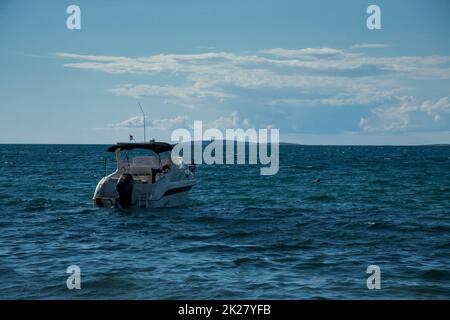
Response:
column 192, row 166
column 124, row 189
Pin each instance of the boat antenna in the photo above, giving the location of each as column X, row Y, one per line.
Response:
column 143, row 113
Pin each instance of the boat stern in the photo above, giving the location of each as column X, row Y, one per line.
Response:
column 105, row 195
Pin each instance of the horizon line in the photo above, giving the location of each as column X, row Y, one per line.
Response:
column 281, row 142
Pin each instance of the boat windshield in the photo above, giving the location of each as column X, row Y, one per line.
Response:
column 127, row 155
column 144, row 158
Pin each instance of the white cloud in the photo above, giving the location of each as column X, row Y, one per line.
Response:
column 370, row 45
column 158, row 124
column 278, row 77
column 171, row 124
column 231, row 121
column 187, row 95
column 288, row 53
column 133, row 122
column 334, row 76
column 397, row 118
column 217, row 64
column 364, row 124
column 359, row 94
column 435, row 109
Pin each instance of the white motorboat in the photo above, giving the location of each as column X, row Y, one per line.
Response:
column 146, row 177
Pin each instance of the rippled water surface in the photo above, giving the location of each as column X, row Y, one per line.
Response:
column 242, row 235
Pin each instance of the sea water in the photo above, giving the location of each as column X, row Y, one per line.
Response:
column 241, row 236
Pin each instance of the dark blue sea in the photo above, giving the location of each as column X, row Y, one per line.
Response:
column 241, row 236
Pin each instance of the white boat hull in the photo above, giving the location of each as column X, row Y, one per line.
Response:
column 164, row 193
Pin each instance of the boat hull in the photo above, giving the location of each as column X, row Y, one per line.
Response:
column 164, row 193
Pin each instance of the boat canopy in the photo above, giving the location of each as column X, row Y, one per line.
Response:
column 156, row 147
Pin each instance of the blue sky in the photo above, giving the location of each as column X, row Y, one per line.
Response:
column 312, row 69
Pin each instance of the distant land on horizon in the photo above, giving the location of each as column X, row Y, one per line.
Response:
column 239, row 142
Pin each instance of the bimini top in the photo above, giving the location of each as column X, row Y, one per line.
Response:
column 156, row 147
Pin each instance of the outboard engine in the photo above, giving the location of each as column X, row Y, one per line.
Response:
column 124, row 189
